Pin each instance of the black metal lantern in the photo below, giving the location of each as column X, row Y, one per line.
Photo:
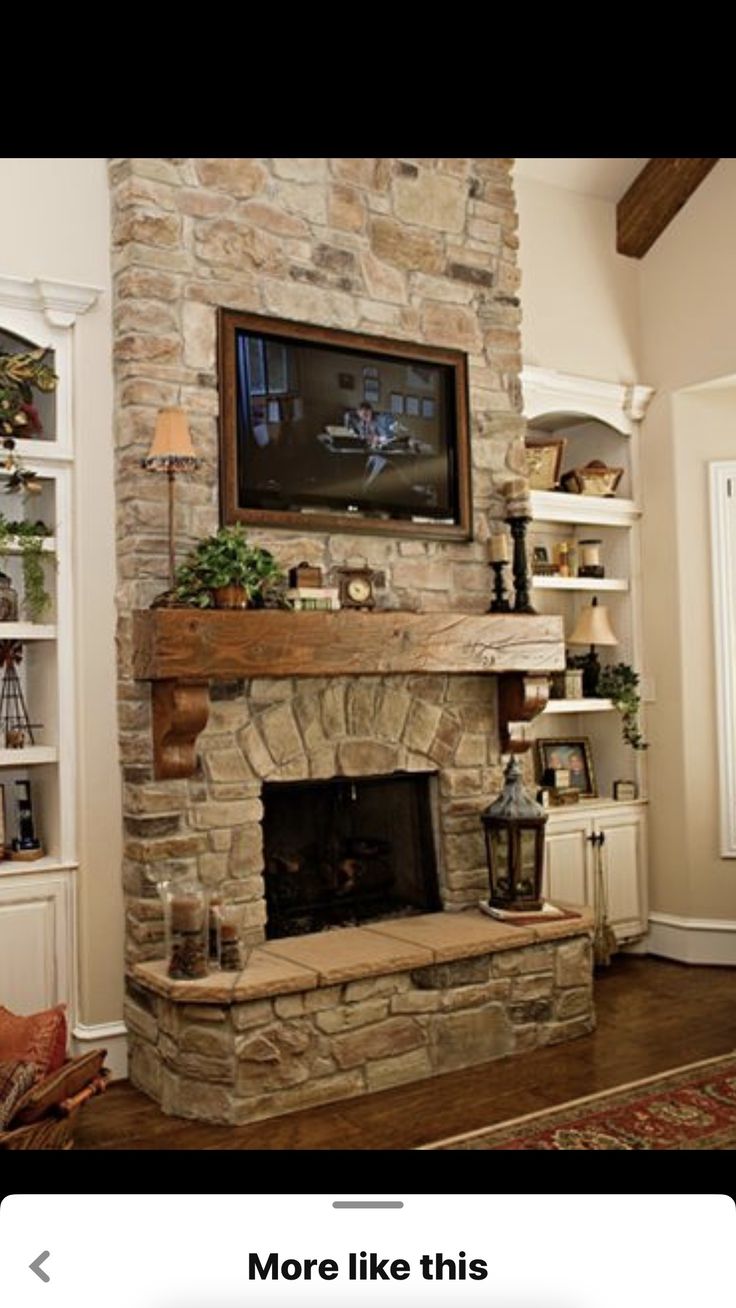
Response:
column 514, row 829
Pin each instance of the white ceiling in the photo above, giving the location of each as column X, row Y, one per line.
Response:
column 607, row 179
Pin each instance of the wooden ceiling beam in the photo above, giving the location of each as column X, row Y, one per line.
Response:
column 658, row 193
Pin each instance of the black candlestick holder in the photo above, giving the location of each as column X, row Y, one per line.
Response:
column 499, row 603
column 522, row 603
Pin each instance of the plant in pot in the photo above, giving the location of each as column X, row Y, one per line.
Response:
column 30, row 538
column 225, row 571
column 620, row 684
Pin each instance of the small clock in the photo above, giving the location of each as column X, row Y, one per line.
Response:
column 357, row 588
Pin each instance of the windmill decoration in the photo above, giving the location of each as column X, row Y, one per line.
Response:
column 15, row 724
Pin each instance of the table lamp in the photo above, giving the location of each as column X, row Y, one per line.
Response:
column 592, row 628
column 171, row 452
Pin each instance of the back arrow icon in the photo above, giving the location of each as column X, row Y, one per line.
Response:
column 35, row 1266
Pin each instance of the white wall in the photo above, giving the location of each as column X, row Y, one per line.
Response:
column 688, row 311
column 55, row 223
column 579, row 299
column 688, row 289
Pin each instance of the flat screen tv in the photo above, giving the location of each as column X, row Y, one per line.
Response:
column 339, row 431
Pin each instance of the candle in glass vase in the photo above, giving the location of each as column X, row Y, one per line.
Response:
column 187, row 913
column 498, row 548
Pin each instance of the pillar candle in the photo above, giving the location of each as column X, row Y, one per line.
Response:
column 498, row 548
column 187, row 914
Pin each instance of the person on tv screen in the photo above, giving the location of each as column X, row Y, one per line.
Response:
column 365, row 423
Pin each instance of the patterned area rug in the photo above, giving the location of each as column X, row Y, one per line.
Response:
column 692, row 1107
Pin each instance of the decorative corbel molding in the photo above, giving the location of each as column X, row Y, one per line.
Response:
column 60, row 302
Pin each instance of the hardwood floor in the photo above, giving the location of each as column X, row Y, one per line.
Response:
column 652, row 1015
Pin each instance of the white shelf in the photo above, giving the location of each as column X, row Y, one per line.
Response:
column 26, row 757
column 27, row 631
column 13, row 545
column 595, row 510
column 592, row 807
column 580, row 583
column 9, row 866
column 578, row 706
column 34, row 452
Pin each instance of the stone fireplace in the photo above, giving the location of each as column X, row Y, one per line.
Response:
column 421, row 250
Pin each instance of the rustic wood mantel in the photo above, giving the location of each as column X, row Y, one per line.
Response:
column 181, row 650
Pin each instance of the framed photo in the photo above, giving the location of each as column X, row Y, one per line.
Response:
column 346, row 381
column 331, row 461
column 540, row 554
column 544, row 460
column 427, row 408
column 571, row 753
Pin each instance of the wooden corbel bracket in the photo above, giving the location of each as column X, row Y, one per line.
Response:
column 521, row 698
column 180, row 712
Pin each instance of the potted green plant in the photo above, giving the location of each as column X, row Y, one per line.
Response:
column 30, row 537
column 620, row 684
column 225, row 571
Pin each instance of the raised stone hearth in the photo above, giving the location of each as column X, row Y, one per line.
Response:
column 319, row 1018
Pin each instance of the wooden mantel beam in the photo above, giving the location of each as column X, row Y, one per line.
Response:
column 222, row 645
column 658, row 193
column 182, row 650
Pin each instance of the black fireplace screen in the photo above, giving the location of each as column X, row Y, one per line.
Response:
column 346, row 851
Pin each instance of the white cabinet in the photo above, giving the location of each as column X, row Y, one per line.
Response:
column 37, row 898
column 567, row 861
column 36, row 940
column 570, row 862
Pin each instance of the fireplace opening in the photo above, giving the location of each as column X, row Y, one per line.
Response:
column 348, row 850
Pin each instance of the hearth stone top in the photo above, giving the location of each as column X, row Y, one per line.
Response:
column 298, row 963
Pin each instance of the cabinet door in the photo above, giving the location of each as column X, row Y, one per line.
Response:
column 36, row 949
column 624, row 863
column 567, row 861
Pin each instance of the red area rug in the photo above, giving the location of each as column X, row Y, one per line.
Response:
column 692, row 1107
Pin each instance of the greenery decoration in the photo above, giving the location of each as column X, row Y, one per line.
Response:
column 620, row 683
column 19, row 374
column 30, row 537
column 225, row 559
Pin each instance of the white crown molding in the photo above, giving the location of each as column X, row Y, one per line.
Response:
column 709, row 941
column 113, row 1036
column 60, row 302
column 548, row 391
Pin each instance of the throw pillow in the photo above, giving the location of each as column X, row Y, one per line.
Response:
column 61, row 1085
column 16, row 1079
column 39, row 1038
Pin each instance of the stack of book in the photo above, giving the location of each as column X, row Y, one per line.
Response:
column 315, row 598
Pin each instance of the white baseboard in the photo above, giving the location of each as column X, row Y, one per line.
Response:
column 113, row 1037
column 692, row 939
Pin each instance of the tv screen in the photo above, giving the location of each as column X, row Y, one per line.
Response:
column 322, row 426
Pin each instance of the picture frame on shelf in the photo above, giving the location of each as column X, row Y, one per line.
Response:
column 541, row 565
column 625, row 791
column 572, row 753
column 544, row 461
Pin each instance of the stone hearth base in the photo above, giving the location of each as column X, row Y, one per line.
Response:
column 326, row 1017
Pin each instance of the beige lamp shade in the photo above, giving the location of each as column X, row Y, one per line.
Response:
column 593, row 627
column 172, row 444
